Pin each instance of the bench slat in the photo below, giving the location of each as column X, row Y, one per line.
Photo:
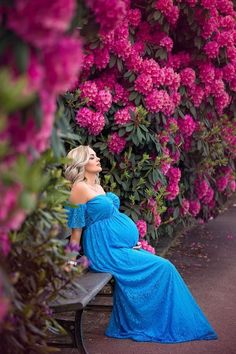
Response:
column 77, row 298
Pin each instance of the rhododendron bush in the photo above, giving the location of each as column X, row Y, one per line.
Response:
column 150, row 85
column 156, row 98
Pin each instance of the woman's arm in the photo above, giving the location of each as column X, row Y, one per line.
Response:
column 76, row 236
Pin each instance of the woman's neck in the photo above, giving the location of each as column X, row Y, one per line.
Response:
column 90, row 179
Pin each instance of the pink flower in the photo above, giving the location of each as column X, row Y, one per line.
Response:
column 157, row 219
column 229, row 72
column 174, row 174
column 201, row 188
column 151, row 67
column 167, row 43
column 175, row 156
column 143, row 84
column 151, row 204
column 222, row 101
column 101, row 57
column 172, row 190
column 93, row 121
column 88, row 61
column 206, row 73
column 232, row 185
column 97, row 124
column 84, row 116
column 196, row 95
column 222, row 183
column 116, row 143
column 89, row 91
column 122, row 116
column 108, row 13
column 142, row 227
column 146, row 246
column 165, row 168
column 4, row 243
column 134, row 17
column 120, row 94
column 154, row 101
column 187, row 77
column 186, row 125
column 171, row 125
column 184, row 207
column 194, row 207
column 40, row 22
column 60, row 74
column 212, row 49
column 207, row 199
column 103, row 101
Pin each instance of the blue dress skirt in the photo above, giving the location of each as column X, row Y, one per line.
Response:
column 152, row 303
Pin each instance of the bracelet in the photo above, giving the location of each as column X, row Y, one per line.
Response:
column 74, row 263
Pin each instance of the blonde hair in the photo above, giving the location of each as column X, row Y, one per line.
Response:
column 75, row 171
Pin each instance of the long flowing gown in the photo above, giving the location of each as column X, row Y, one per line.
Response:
column 152, row 303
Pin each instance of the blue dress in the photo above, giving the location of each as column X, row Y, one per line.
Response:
column 152, row 303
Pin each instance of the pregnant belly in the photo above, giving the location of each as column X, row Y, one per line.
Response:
column 124, row 232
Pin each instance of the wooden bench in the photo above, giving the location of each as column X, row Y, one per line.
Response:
column 70, row 303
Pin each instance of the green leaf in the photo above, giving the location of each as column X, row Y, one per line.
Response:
column 112, row 61
column 157, row 15
column 176, row 213
column 119, row 65
column 133, row 95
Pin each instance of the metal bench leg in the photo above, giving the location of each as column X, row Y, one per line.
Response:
column 78, row 333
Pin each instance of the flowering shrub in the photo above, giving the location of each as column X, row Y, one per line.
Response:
column 164, row 81
column 151, row 87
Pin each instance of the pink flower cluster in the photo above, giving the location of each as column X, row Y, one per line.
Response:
column 186, row 125
column 184, row 209
column 172, row 190
column 116, row 143
column 93, row 121
column 142, row 227
column 11, row 216
column 194, row 207
column 122, row 116
column 152, row 206
column 145, row 245
column 108, row 13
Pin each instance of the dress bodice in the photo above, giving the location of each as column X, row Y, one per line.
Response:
column 100, row 207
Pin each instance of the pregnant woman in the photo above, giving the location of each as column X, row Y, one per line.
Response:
column 151, row 300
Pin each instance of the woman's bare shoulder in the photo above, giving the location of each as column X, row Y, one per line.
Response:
column 79, row 193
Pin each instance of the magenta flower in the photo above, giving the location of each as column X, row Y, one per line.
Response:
column 116, row 143
column 184, row 207
column 222, row 183
column 134, row 17
column 89, row 91
column 194, row 207
column 103, row 101
column 60, row 74
column 122, row 116
column 201, row 187
column 187, row 77
column 142, row 227
column 186, row 125
column 40, row 22
column 108, row 13
column 4, row 243
column 155, row 101
column 143, row 84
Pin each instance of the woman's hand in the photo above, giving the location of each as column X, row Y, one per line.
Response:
column 71, row 263
column 138, row 246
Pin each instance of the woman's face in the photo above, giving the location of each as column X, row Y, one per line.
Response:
column 93, row 164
